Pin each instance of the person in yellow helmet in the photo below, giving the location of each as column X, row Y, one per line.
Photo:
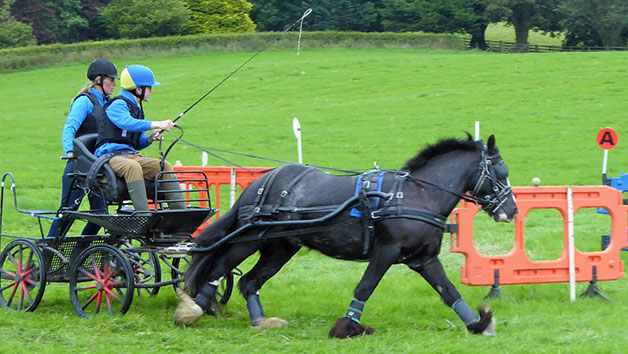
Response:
column 123, row 132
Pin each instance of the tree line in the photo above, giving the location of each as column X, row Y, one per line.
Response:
column 583, row 22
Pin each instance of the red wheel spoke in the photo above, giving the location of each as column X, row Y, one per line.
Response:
column 108, row 297
column 95, row 267
column 13, row 261
column 98, row 300
column 8, row 286
column 86, row 287
column 24, row 291
column 89, row 301
column 20, row 269
column 4, row 271
column 109, row 273
column 90, row 275
column 13, row 294
column 107, row 289
column 21, row 303
column 26, row 273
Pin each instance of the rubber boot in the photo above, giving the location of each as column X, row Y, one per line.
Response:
column 137, row 191
column 173, row 185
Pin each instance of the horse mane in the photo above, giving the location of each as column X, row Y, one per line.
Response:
column 441, row 147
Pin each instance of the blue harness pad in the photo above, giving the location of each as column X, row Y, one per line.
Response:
column 368, row 187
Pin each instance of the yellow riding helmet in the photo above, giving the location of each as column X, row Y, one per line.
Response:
column 134, row 76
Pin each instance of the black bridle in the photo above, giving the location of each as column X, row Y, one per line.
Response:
column 489, row 171
column 492, row 172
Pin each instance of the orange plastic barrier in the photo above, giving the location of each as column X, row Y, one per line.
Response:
column 516, row 266
column 219, row 176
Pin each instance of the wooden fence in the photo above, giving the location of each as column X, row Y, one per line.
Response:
column 510, row 47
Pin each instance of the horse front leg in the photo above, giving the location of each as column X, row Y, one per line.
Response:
column 432, row 271
column 349, row 326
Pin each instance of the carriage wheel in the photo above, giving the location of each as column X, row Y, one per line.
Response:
column 101, row 279
column 224, row 291
column 22, row 276
column 146, row 267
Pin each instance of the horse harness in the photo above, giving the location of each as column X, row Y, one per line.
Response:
column 367, row 208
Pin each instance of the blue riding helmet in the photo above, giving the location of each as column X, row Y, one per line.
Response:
column 134, row 76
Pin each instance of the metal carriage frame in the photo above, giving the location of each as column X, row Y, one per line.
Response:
column 103, row 271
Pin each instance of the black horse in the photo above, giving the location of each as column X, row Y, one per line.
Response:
column 399, row 218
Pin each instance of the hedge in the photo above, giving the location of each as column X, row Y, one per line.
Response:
column 30, row 57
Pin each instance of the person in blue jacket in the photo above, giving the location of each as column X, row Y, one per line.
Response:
column 123, row 132
column 86, row 107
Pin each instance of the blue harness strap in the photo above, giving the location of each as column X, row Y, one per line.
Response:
column 366, row 183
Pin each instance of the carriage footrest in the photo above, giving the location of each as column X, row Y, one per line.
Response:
column 179, row 250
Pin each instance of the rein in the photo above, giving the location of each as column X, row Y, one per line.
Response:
column 209, row 150
column 487, row 170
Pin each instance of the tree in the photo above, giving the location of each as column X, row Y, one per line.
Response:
column 220, row 16
column 95, row 29
column 327, row 15
column 484, row 12
column 528, row 14
column 601, row 22
column 13, row 33
column 145, row 18
column 52, row 20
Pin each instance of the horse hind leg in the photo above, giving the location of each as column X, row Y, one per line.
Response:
column 273, row 256
column 191, row 309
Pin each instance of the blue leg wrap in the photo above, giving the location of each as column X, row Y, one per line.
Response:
column 355, row 310
column 254, row 305
column 464, row 312
column 204, row 297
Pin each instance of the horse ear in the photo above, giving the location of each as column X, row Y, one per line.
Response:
column 491, row 143
column 469, row 136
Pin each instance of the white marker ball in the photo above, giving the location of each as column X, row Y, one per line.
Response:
column 536, row 181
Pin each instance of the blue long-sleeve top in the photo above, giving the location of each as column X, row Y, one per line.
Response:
column 81, row 108
column 119, row 114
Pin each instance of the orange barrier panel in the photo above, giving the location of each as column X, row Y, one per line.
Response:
column 219, row 176
column 516, row 266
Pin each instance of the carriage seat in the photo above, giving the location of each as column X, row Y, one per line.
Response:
column 106, row 183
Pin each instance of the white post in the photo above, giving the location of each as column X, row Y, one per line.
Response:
column 233, row 186
column 296, row 127
column 477, row 130
column 604, row 164
column 204, row 159
column 572, row 265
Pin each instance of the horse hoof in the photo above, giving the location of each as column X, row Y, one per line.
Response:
column 188, row 311
column 345, row 327
column 491, row 329
column 272, row 322
column 486, row 325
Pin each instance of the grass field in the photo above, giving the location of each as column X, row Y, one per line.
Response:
column 502, row 32
column 355, row 107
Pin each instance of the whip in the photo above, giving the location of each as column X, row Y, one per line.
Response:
column 268, row 44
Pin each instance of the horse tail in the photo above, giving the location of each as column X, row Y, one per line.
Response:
column 199, row 270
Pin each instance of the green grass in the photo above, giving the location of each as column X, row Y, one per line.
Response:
column 355, row 107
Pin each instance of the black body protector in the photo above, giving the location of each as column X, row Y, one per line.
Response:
column 90, row 124
column 110, row 133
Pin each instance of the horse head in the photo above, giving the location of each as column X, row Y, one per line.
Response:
column 491, row 185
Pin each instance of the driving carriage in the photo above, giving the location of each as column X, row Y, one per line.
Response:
column 384, row 217
column 103, row 271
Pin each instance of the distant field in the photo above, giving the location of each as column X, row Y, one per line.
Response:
column 503, row 32
column 356, row 107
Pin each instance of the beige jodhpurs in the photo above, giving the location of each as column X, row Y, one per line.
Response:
column 137, row 167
